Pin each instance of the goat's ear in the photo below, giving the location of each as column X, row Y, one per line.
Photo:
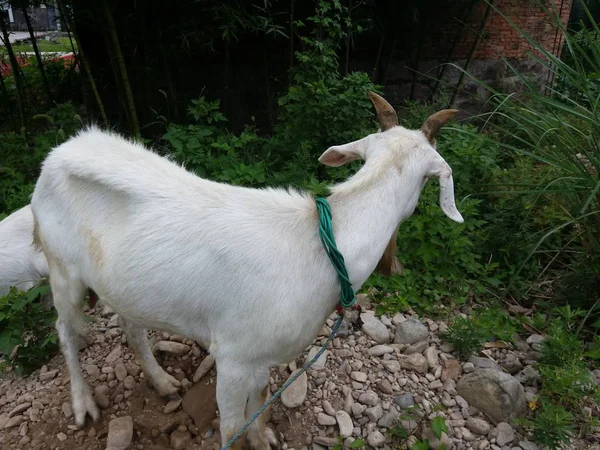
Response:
column 447, row 202
column 338, row 155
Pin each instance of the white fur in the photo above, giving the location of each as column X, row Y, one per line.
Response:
column 21, row 265
column 242, row 271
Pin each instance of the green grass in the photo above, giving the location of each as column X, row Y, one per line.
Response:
column 64, row 45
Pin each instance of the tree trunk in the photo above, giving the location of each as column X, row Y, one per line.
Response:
column 84, row 61
column 16, row 72
column 37, row 55
column 118, row 59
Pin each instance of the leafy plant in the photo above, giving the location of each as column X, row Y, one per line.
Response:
column 552, row 426
column 465, row 336
column 27, row 337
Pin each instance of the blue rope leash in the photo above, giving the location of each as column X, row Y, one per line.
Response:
column 347, row 300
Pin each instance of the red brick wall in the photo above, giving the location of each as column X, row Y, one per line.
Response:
column 499, row 37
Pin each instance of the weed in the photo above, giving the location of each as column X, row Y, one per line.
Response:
column 464, row 336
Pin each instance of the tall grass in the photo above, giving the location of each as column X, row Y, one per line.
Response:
column 557, row 126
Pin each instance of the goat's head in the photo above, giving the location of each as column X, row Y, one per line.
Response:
column 411, row 153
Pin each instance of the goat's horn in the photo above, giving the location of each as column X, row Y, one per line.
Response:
column 385, row 112
column 432, row 125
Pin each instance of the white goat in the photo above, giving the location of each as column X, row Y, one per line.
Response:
column 242, row 271
column 21, row 265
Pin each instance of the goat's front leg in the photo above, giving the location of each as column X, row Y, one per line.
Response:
column 165, row 384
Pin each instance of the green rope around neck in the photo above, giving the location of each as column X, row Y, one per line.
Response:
column 347, row 297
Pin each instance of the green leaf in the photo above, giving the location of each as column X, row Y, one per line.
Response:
column 357, row 443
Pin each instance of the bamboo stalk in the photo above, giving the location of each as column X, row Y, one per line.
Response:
column 38, row 56
column 113, row 37
column 86, row 65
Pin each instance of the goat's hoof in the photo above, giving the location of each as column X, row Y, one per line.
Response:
column 173, row 397
column 82, row 406
column 168, row 387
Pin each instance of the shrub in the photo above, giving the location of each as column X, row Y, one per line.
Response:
column 27, row 337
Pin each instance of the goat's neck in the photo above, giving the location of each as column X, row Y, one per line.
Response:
column 365, row 215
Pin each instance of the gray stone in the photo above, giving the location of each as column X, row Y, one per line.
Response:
column 436, row 443
column 180, row 438
column 374, row 413
column 494, row 393
column 369, row 398
column 129, row 382
column 389, row 419
column 468, row 367
column 418, row 347
column 452, row 370
column 380, row 350
column 405, row 400
column 19, row 409
column 207, row 363
column 431, row 355
column 373, row 328
column 344, row 423
column 120, row 371
column 385, row 386
column 527, row 376
column 120, row 433
column 171, row 348
column 535, row 340
column 14, row 421
column 506, row 434
column 528, row 445
column 391, row 366
column 375, row 439
column 511, row 363
column 114, row 355
column 93, row 372
column 325, row 441
column 358, row 409
column 410, row 331
column 361, row 377
column 319, row 364
column 47, row 376
column 478, row 426
column 415, row 362
column 325, row 419
column 328, row 408
column 172, row 406
column 295, row 394
column 484, row 363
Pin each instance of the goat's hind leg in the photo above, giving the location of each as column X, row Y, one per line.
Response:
column 68, row 294
column 260, row 436
column 137, row 338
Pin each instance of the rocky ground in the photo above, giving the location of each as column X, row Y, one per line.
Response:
column 379, row 376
